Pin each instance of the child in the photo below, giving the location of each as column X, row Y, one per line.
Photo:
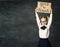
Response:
column 43, row 25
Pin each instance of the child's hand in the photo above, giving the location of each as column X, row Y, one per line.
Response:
column 37, row 10
column 51, row 11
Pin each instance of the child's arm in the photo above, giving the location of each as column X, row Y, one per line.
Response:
column 50, row 20
column 37, row 19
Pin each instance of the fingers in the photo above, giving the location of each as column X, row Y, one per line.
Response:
column 51, row 11
column 37, row 9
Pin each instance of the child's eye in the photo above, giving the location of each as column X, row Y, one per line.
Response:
column 43, row 21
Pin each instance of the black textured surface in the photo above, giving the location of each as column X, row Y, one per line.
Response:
column 18, row 27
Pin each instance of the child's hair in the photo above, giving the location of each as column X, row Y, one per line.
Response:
column 45, row 18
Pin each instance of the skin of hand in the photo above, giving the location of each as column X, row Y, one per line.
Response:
column 50, row 13
column 37, row 9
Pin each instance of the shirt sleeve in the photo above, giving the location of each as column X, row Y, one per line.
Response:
column 49, row 21
column 37, row 19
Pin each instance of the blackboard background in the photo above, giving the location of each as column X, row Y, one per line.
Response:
column 18, row 27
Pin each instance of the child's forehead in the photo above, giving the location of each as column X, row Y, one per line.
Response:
column 43, row 18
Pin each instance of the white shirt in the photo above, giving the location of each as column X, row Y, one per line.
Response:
column 43, row 33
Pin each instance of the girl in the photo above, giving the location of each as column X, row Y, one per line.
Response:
column 43, row 25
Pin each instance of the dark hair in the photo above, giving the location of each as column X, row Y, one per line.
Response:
column 45, row 18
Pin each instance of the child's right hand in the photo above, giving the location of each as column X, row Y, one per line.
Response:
column 37, row 9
